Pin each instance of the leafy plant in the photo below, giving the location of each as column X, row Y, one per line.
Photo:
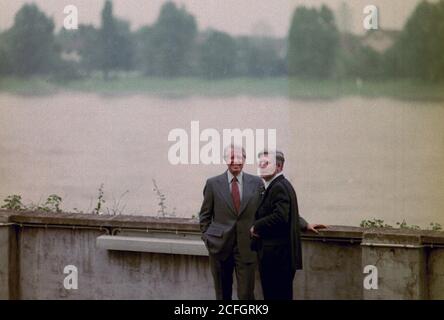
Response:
column 162, row 202
column 379, row 223
column 404, row 225
column 52, row 204
column 435, row 226
column 374, row 223
column 13, row 202
column 100, row 201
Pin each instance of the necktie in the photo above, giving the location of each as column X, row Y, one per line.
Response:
column 235, row 194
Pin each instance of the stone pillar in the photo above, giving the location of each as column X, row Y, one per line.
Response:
column 400, row 260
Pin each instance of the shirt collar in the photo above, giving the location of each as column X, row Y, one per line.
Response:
column 267, row 183
column 231, row 176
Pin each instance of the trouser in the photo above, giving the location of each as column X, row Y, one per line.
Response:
column 275, row 272
column 222, row 271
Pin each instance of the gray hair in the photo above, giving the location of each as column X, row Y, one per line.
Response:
column 234, row 147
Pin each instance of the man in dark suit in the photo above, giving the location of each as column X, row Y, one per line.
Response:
column 276, row 230
column 227, row 213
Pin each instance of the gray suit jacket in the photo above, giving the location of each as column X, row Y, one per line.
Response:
column 219, row 222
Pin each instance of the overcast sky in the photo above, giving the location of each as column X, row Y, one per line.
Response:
column 233, row 16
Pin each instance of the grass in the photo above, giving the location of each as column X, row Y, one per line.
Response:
column 293, row 88
column 184, row 86
column 31, row 86
column 397, row 89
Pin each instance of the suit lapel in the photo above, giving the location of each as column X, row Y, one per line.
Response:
column 269, row 188
column 247, row 192
column 224, row 190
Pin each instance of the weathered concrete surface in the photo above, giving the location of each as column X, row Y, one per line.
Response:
column 436, row 273
column 105, row 274
column 193, row 247
column 401, row 262
column 40, row 245
column 104, row 221
column 331, row 270
column 4, row 261
column 8, row 258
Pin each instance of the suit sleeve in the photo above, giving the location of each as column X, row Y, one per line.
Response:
column 303, row 223
column 280, row 204
column 206, row 210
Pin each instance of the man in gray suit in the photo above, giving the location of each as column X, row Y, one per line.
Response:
column 227, row 213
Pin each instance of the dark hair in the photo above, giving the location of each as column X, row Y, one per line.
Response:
column 280, row 159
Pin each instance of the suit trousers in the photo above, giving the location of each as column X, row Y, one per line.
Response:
column 222, row 271
column 275, row 272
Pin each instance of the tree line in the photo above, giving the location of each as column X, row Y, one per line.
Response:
column 173, row 47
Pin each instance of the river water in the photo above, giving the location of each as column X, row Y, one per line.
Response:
column 348, row 159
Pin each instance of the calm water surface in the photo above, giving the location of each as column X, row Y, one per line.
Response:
column 349, row 159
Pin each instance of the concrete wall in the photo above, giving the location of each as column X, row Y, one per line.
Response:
column 331, row 270
column 4, row 259
column 36, row 247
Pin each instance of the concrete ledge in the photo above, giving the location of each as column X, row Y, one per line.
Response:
column 115, row 223
column 4, row 216
column 153, row 245
column 104, row 221
column 122, row 222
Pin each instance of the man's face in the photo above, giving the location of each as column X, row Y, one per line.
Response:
column 267, row 167
column 235, row 161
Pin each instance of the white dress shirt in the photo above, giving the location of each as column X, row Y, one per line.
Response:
column 267, row 183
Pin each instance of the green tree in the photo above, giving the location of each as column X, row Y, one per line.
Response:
column 83, row 41
column 115, row 42
column 108, row 37
column 5, row 61
column 217, row 55
column 31, row 42
column 260, row 56
column 418, row 53
column 89, row 50
column 313, row 41
column 172, row 40
column 145, row 52
column 357, row 60
column 124, row 59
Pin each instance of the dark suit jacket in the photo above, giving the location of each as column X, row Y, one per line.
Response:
column 219, row 222
column 278, row 222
